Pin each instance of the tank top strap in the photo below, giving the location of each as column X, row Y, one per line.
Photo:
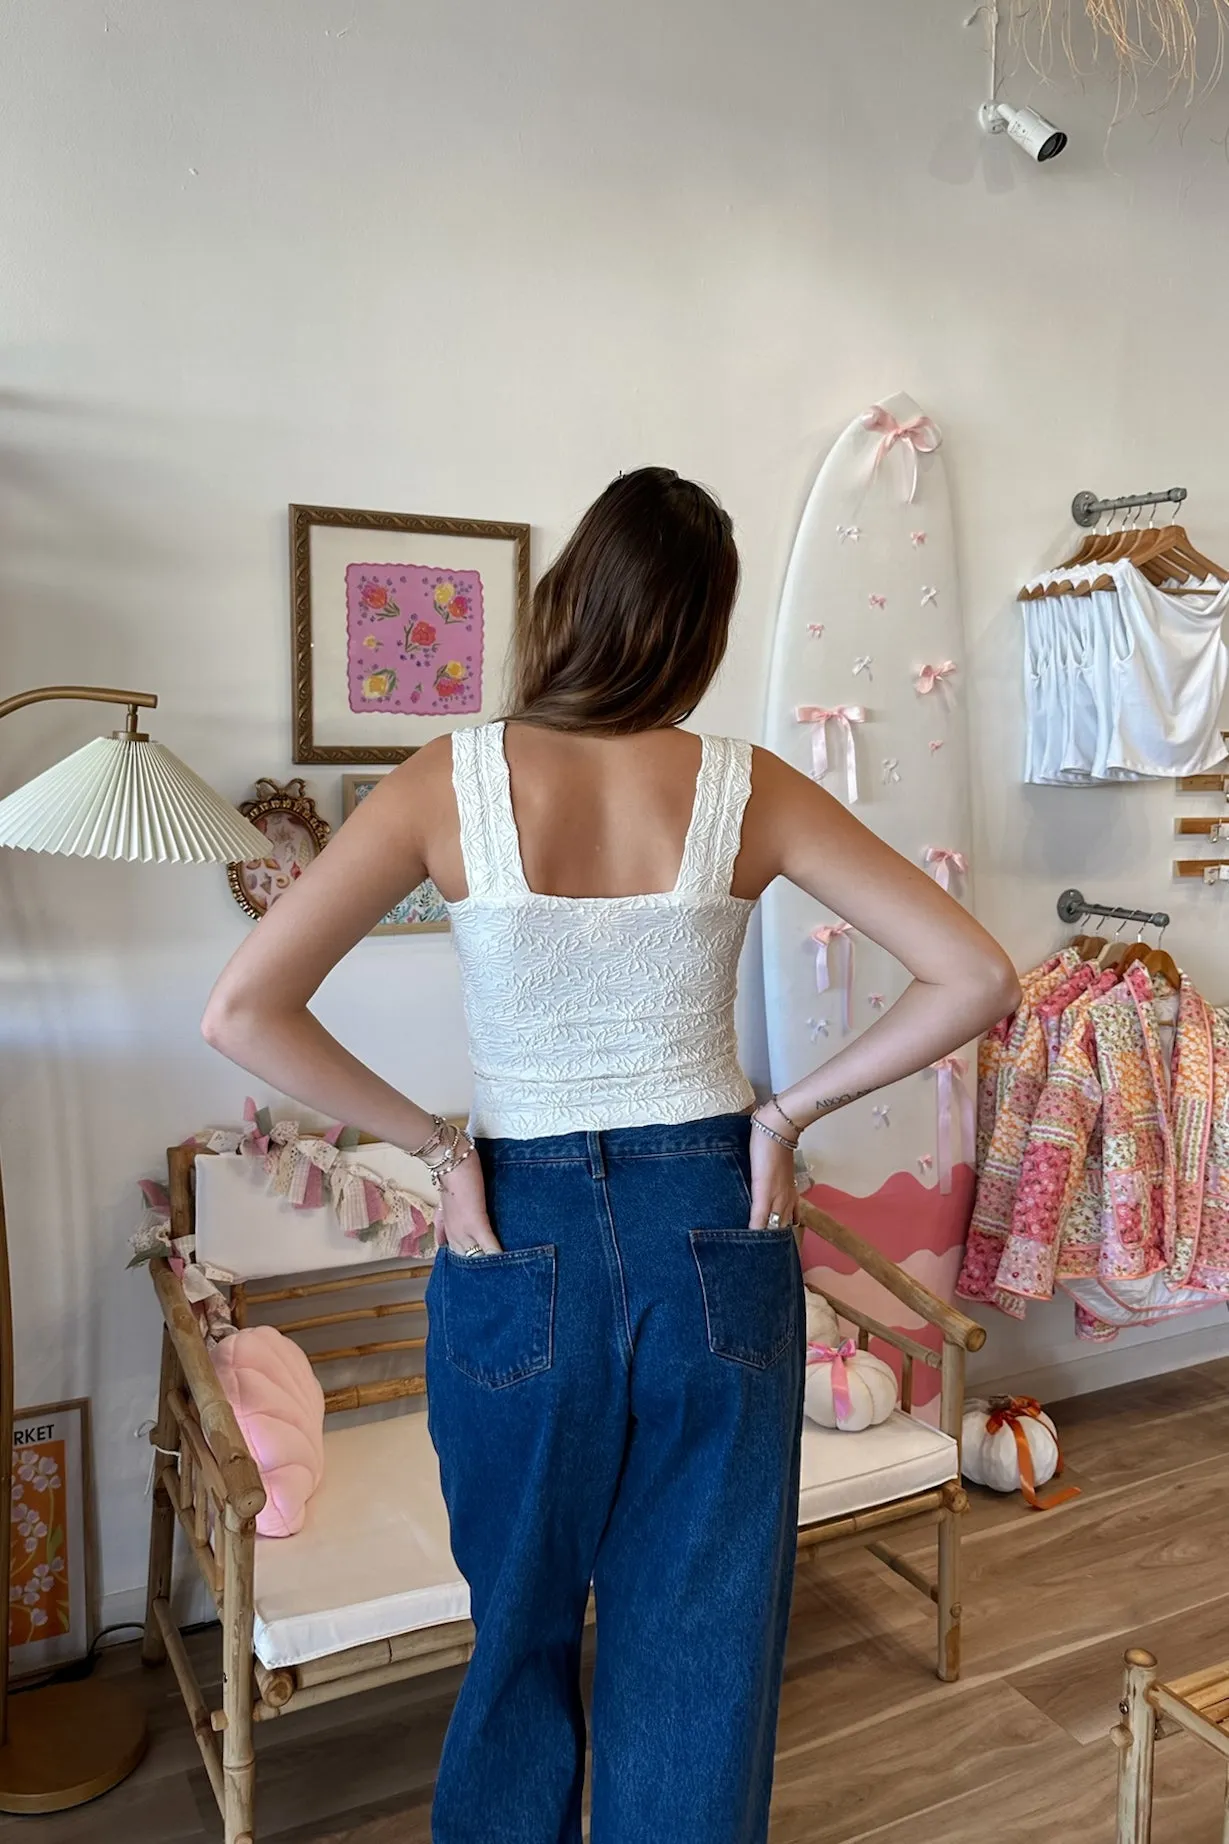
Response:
column 490, row 848
column 723, row 788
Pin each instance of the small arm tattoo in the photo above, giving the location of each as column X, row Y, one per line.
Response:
column 834, row 1102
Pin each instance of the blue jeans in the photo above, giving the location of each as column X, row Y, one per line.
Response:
column 616, row 1400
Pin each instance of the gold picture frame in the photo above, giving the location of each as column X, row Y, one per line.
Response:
column 401, row 628
column 421, row 911
column 297, row 835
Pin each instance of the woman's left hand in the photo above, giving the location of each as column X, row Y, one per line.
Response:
column 774, row 1188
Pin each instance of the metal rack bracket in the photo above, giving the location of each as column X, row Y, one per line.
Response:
column 1086, row 508
column 1073, row 905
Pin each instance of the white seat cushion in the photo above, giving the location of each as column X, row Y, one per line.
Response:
column 842, row 1473
column 373, row 1557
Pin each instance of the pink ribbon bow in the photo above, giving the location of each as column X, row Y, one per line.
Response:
column 943, row 862
column 819, row 717
column 919, row 436
column 949, row 1086
column 930, row 676
column 838, row 1356
column 828, row 935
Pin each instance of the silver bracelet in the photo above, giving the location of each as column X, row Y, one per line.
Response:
column 459, row 1147
column 773, row 1134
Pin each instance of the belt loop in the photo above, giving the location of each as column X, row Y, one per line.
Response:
column 597, row 1168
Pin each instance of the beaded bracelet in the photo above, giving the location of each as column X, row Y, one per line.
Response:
column 775, row 1102
column 773, row 1134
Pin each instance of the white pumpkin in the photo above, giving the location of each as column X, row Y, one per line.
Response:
column 872, row 1393
column 994, row 1459
column 822, row 1327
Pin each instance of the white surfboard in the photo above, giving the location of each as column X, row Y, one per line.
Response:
column 870, row 624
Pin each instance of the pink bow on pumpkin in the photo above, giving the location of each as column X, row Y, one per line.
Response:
column 819, row 717
column 944, row 861
column 828, row 935
column 919, row 436
column 949, row 1087
column 930, row 676
column 837, row 1356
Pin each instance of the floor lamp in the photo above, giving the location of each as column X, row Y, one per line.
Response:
column 121, row 796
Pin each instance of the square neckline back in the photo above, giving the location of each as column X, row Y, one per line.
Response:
column 502, row 844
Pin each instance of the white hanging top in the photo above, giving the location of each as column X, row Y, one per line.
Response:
column 591, row 1012
column 1123, row 684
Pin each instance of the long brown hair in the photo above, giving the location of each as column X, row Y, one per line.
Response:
column 628, row 626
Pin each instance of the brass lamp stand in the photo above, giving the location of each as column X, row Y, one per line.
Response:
column 119, row 797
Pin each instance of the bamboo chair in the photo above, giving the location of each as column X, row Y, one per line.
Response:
column 899, row 1478
column 1198, row 1703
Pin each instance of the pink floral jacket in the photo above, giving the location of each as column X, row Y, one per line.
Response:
column 1130, row 1207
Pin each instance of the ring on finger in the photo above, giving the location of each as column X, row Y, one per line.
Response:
column 774, row 1221
column 475, row 1248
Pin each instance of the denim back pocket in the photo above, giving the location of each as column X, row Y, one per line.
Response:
column 497, row 1313
column 748, row 1278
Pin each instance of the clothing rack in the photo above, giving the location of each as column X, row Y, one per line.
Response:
column 1073, row 906
column 1086, row 508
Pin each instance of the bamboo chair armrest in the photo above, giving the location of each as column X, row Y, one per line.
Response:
column 955, row 1326
column 240, row 1475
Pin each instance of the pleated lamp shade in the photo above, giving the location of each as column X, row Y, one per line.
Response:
column 121, row 797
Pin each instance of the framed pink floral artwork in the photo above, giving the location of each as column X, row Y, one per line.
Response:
column 51, row 1611
column 402, row 628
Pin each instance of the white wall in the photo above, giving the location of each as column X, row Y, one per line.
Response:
column 476, row 258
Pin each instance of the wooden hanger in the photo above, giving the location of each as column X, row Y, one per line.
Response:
column 1159, row 961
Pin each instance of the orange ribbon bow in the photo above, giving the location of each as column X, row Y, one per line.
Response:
column 1011, row 1412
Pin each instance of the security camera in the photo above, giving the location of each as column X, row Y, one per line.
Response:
column 1040, row 139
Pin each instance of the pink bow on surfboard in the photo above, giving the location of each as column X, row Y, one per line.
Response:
column 919, row 436
column 943, row 861
column 950, row 1091
column 819, row 716
column 930, row 676
column 830, row 935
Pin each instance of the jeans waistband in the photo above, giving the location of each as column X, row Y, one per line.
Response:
column 719, row 1133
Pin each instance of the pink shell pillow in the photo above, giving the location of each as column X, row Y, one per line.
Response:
column 279, row 1406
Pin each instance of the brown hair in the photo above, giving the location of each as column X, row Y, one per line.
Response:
column 629, row 625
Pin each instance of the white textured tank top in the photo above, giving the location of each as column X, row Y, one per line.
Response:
column 589, row 1012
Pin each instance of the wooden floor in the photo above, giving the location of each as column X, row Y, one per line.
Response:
column 871, row 1746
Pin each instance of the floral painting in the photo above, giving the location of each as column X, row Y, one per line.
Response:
column 414, row 639
column 38, row 1584
column 49, row 1565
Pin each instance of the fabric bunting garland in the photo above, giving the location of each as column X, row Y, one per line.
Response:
column 308, row 1170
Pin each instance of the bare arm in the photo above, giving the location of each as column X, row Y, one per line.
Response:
column 962, row 980
column 258, row 1014
column 258, row 1011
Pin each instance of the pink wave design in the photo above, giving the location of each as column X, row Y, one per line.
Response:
column 917, row 1227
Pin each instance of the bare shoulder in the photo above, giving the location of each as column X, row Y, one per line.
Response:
column 776, row 786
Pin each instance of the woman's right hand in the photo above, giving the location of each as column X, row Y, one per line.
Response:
column 461, row 1219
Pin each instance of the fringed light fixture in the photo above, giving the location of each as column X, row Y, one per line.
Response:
column 1182, row 42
